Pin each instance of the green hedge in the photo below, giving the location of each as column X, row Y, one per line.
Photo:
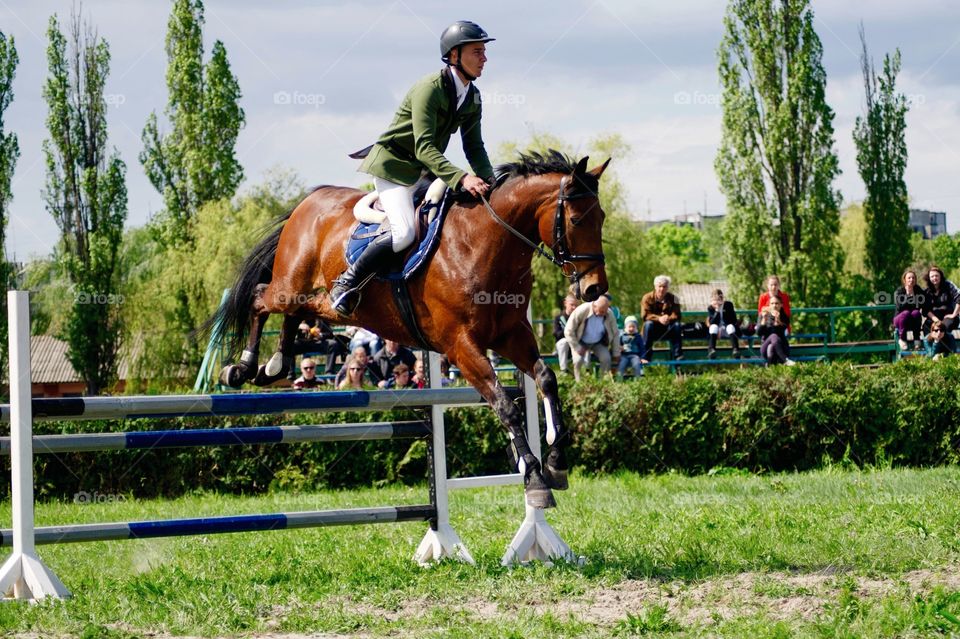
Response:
column 756, row 419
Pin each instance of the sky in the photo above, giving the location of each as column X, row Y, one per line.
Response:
column 323, row 79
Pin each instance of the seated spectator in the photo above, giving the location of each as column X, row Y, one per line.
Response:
column 315, row 336
column 400, row 378
column 773, row 290
column 939, row 342
column 308, row 377
column 722, row 321
column 559, row 323
column 384, row 361
column 362, row 337
column 354, row 369
column 661, row 318
column 360, row 354
column 941, row 301
column 908, row 300
column 632, row 348
column 592, row 329
column 419, row 378
column 446, row 376
column 772, row 325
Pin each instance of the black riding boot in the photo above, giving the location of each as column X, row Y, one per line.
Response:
column 345, row 293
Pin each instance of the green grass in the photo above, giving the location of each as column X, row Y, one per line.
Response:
column 825, row 554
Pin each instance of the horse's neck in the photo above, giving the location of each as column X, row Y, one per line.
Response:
column 525, row 207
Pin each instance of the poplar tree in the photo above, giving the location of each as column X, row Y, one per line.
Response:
column 880, row 138
column 776, row 163
column 87, row 195
column 9, row 152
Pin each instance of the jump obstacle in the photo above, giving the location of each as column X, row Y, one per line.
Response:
column 25, row 576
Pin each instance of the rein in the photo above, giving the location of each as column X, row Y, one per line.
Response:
column 561, row 256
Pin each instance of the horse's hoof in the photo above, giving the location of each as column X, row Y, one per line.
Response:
column 537, row 492
column 231, row 376
column 555, row 469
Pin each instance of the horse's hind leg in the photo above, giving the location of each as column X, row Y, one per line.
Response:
column 477, row 370
column 281, row 362
column 245, row 369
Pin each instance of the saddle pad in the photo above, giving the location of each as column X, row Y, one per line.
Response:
column 363, row 234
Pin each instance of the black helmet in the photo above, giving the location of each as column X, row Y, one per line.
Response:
column 459, row 33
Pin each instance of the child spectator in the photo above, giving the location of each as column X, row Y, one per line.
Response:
column 939, row 342
column 722, row 321
column 400, row 378
column 772, row 325
column 632, row 348
column 419, row 378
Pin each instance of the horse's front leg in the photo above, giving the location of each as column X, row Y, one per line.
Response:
column 281, row 362
column 477, row 370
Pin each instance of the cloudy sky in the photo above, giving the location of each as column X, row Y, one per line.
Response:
column 321, row 79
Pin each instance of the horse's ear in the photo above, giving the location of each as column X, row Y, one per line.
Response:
column 598, row 171
column 581, row 166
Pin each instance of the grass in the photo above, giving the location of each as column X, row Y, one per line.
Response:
column 826, row 554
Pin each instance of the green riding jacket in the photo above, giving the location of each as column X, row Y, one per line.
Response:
column 418, row 136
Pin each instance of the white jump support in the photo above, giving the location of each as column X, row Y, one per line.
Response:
column 23, row 575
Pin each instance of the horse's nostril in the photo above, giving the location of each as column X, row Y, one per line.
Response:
column 591, row 293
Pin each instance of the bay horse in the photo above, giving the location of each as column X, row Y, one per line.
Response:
column 484, row 255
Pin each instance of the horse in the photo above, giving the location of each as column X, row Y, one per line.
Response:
column 484, row 256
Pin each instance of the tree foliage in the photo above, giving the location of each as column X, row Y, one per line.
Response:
column 880, row 137
column 195, row 162
column 776, row 162
column 87, row 195
column 9, row 152
column 682, row 250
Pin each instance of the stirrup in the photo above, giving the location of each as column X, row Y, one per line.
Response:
column 343, row 298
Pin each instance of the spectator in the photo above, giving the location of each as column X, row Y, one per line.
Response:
column 446, row 376
column 773, row 290
column 722, row 321
column 362, row 337
column 354, row 369
column 909, row 310
column 392, row 353
column 419, row 378
column 399, row 379
column 661, row 318
column 308, row 375
column 632, row 348
column 941, row 301
column 939, row 342
column 360, row 353
column 772, row 325
column 315, row 336
column 559, row 323
column 592, row 328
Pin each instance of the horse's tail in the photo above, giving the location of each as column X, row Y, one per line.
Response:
column 230, row 325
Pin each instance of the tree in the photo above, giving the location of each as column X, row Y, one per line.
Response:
column 9, row 152
column 87, row 195
column 880, row 137
column 776, row 162
column 195, row 162
column 682, row 250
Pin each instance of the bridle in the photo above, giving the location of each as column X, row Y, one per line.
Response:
column 562, row 258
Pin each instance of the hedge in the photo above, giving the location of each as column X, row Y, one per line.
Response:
column 755, row 419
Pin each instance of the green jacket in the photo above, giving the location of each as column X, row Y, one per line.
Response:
column 421, row 130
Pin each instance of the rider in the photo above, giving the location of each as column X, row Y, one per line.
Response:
column 414, row 144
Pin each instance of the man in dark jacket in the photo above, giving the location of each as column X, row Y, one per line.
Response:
column 386, row 359
column 661, row 318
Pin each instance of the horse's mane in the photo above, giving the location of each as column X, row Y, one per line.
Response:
column 543, row 164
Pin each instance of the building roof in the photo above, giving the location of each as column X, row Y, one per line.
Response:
column 49, row 363
column 696, row 297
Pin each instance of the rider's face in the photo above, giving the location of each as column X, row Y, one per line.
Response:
column 474, row 56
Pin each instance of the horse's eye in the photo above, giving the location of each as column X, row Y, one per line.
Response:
column 576, row 220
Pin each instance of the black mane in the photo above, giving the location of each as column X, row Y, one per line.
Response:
column 536, row 164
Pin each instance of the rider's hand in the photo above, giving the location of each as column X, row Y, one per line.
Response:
column 474, row 185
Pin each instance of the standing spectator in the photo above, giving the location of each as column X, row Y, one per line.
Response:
column 354, row 369
column 559, row 324
column 722, row 321
column 308, row 377
column 939, row 342
column 392, row 353
column 773, row 290
column 661, row 318
column 632, row 348
column 941, row 301
column 909, row 309
column 772, row 325
column 592, row 328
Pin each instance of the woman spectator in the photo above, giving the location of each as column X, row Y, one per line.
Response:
column 909, row 304
column 354, row 378
column 939, row 343
column 941, row 301
column 772, row 325
column 773, row 290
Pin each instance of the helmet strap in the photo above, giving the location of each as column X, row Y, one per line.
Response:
column 459, row 66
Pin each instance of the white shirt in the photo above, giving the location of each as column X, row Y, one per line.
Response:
column 460, row 86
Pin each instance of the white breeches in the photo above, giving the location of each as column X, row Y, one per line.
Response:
column 397, row 201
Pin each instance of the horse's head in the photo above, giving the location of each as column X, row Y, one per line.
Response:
column 577, row 236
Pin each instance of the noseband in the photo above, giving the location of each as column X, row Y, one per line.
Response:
column 561, row 257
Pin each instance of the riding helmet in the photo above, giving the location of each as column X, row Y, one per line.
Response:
column 459, row 33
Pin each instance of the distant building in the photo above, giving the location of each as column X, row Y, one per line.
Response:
column 929, row 224
column 696, row 220
column 52, row 373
